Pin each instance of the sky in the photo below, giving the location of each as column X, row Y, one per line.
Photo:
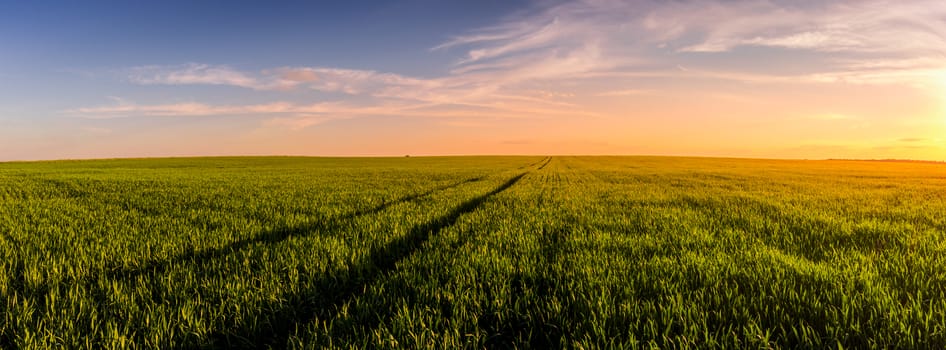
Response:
column 801, row 79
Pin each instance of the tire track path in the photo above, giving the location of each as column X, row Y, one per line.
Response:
column 333, row 289
column 547, row 161
column 327, row 225
column 198, row 259
column 385, row 311
column 336, row 288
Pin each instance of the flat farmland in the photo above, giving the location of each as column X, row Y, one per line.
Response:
column 472, row 252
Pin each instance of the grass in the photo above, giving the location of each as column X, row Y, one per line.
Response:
column 498, row 252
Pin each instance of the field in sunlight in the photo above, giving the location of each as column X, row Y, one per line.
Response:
column 472, row 252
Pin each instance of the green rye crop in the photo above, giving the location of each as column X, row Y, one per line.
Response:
column 472, row 252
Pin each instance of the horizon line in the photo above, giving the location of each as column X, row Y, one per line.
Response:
column 888, row 160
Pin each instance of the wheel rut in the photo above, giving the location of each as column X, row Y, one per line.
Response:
column 341, row 287
column 275, row 236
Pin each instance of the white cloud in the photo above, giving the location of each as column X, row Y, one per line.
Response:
column 628, row 33
column 124, row 109
column 874, row 26
column 191, row 74
column 608, row 43
column 303, row 115
column 578, row 39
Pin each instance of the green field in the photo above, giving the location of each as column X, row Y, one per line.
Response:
column 472, row 252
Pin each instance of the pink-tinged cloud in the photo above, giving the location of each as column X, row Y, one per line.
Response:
column 298, row 75
column 634, row 72
column 191, row 74
column 299, row 116
column 579, row 39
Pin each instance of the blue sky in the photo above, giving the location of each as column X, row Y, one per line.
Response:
column 758, row 78
column 251, row 34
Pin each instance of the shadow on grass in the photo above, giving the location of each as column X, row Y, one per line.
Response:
column 332, row 290
column 534, row 164
column 37, row 293
column 274, row 236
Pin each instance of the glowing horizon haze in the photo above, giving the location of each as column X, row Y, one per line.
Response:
column 767, row 79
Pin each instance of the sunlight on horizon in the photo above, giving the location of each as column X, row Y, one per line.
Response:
column 762, row 79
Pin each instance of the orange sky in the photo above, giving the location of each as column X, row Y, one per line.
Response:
column 772, row 79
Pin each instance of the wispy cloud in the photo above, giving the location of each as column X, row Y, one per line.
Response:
column 625, row 92
column 277, row 113
column 526, row 64
column 387, row 94
column 873, row 40
column 191, row 74
column 846, row 42
column 877, row 26
column 303, row 115
column 127, row 109
column 352, row 81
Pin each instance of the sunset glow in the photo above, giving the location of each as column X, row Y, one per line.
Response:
column 768, row 79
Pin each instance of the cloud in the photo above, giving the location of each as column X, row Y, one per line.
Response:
column 596, row 38
column 876, row 26
column 467, row 89
column 191, row 74
column 607, row 38
column 625, row 92
column 297, row 116
column 804, row 40
column 299, row 75
column 556, row 43
column 127, row 109
column 873, row 72
column 529, row 64
column 353, row 81
column 912, row 139
column 576, row 39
